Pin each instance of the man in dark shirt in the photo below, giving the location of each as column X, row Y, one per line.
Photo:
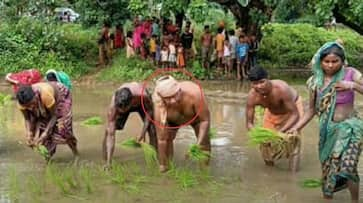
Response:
column 187, row 41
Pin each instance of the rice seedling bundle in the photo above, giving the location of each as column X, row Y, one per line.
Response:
column 197, row 154
column 43, row 151
column 311, row 183
column 130, row 143
column 260, row 135
column 95, row 120
column 150, row 154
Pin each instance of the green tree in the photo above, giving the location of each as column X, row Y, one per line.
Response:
column 97, row 11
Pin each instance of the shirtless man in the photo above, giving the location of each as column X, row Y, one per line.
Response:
column 283, row 108
column 127, row 99
column 175, row 104
column 206, row 41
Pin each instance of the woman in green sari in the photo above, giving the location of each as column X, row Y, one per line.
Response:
column 58, row 76
column 332, row 89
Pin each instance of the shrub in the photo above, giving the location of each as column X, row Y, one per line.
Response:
column 34, row 43
column 285, row 45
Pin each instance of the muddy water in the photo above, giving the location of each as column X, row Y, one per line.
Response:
column 246, row 178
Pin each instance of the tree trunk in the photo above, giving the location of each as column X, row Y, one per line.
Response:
column 179, row 19
column 241, row 13
column 342, row 19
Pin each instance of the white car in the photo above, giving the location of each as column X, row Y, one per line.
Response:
column 62, row 14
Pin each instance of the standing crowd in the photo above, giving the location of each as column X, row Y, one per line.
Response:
column 167, row 46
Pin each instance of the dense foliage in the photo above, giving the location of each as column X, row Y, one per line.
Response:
column 286, row 45
column 33, row 43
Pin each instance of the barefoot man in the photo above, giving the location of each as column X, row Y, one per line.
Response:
column 177, row 103
column 283, row 108
column 127, row 99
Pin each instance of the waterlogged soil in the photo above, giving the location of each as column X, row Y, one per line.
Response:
column 236, row 172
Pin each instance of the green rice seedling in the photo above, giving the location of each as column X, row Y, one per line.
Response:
column 197, row 154
column 35, row 187
column 95, row 120
column 117, row 174
column 57, row 179
column 132, row 188
column 172, row 169
column 130, row 143
column 311, row 183
column 4, row 99
column 14, row 185
column 150, row 155
column 260, row 135
column 212, row 133
column 43, row 151
column 86, row 176
column 185, row 178
column 134, row 168
column 70, row 178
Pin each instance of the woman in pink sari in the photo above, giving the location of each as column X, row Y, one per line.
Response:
column 137, row 36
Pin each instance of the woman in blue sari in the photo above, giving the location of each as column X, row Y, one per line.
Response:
column 332, row 89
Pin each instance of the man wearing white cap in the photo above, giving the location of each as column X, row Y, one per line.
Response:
column 177, row 104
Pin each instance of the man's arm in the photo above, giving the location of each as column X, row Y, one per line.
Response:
column 204, row 124
column 109, row 139
column 250, row 111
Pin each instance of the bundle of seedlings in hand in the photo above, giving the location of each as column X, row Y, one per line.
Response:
column 260, row 135
column 43, row 151
column 197, row 154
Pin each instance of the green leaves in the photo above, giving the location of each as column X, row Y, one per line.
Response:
column 138, row 7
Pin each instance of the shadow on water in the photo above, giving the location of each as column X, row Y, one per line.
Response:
column 237, row 171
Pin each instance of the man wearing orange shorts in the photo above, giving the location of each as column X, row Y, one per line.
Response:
column 283, row 108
